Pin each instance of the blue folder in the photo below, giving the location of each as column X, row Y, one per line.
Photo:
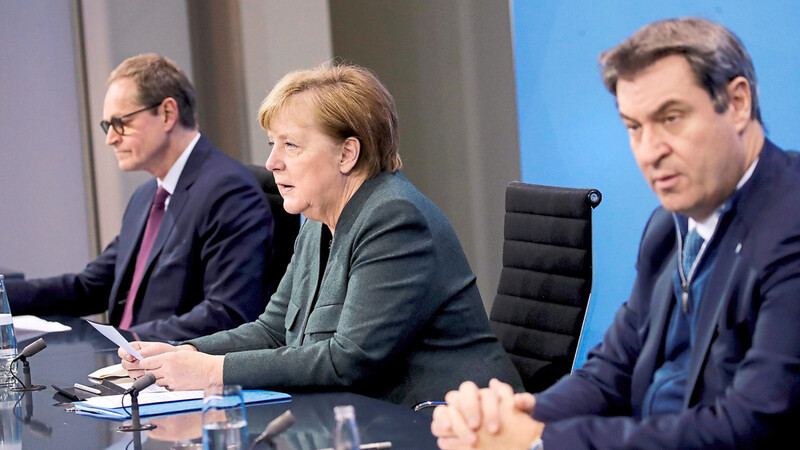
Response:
column 159, row 409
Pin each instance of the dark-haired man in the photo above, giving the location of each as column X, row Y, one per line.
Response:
column 706, row 351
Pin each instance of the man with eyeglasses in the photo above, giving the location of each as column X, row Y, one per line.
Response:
column 191, row 254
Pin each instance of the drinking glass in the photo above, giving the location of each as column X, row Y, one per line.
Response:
column 224, row 419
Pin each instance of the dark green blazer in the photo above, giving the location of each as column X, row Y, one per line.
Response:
column 398, row 315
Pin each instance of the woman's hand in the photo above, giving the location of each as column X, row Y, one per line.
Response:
column 147, row 349
column 184, row 370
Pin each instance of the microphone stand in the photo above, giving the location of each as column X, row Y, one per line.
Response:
column 135, row 424
column 30, row 350
column 138, row 385
column 26, row 377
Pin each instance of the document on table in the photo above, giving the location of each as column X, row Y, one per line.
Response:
column 165, row 402
column 153, row 394
column 112, row 371
column 29, row 327
column 113, row 335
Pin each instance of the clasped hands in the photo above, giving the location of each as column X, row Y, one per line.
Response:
column 489, row 418
column 176, row 368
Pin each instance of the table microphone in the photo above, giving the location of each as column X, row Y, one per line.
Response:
column 274, row 428
column 30, row 350
column 141, row 383
column 134, row 390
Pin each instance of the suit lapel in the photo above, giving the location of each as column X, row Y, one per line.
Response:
column 179, row 198
column 726, row 274
column 664, row 298
column 129, row 237
column 713, row 303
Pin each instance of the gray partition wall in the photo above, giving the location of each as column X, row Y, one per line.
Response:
column 44, row 215
column 448, row 64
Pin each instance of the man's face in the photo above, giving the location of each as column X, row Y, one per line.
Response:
column 691, row 156
column 144, row 143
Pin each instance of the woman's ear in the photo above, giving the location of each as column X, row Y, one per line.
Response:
column 351, row 150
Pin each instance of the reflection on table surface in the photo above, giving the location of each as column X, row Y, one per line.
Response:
column 36, row 420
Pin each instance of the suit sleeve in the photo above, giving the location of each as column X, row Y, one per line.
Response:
column 234, row 240
column 267, row 332
column 757, row 409
column 390, row 271
column 76, row 294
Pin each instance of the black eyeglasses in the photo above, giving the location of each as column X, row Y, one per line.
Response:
column 116, row 122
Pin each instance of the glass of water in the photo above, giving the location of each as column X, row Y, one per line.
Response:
column 224, row 420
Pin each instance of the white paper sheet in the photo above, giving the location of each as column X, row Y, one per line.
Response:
column 29, row 327
column 145, row 397
column 112, row 371
column 113, row 335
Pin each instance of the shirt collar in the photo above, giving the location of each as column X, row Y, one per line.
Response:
column 706, row 227
column 170, row 181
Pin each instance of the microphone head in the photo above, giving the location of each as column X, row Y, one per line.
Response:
column 34, row 348
column 277, row 426
column 142, row 382
column 30, row 350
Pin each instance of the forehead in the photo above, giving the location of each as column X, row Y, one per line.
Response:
column 121, row 98
column 669, row 79
column 295, row 115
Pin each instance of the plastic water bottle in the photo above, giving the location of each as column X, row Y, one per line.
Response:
column 345, row 436
column 8, row 341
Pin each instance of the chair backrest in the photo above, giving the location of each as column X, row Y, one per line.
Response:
column 285, row 226
column 546, row 279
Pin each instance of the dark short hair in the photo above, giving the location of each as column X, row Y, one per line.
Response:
column 347, row 101
column 157, row 78
column 714, row 53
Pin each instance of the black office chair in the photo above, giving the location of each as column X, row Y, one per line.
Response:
column 546, row 280
column 285, row 227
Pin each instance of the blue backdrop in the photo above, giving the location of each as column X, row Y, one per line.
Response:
column 571, row 135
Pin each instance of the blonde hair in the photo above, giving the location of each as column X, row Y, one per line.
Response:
column 347, row 101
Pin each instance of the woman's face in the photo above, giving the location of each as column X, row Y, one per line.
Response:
column 306, row 164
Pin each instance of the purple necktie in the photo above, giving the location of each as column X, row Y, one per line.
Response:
column 150, row 231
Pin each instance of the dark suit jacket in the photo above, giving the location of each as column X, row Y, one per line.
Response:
column 398, row 315
column 744, row 372
column 204, row 272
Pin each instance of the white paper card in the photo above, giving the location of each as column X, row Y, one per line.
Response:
column 113, row 335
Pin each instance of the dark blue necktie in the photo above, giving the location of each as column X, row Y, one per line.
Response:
column 691, row 247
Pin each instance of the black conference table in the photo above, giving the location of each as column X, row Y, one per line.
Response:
column 35, row 420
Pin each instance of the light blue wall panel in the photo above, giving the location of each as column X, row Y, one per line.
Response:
column 570, row 134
